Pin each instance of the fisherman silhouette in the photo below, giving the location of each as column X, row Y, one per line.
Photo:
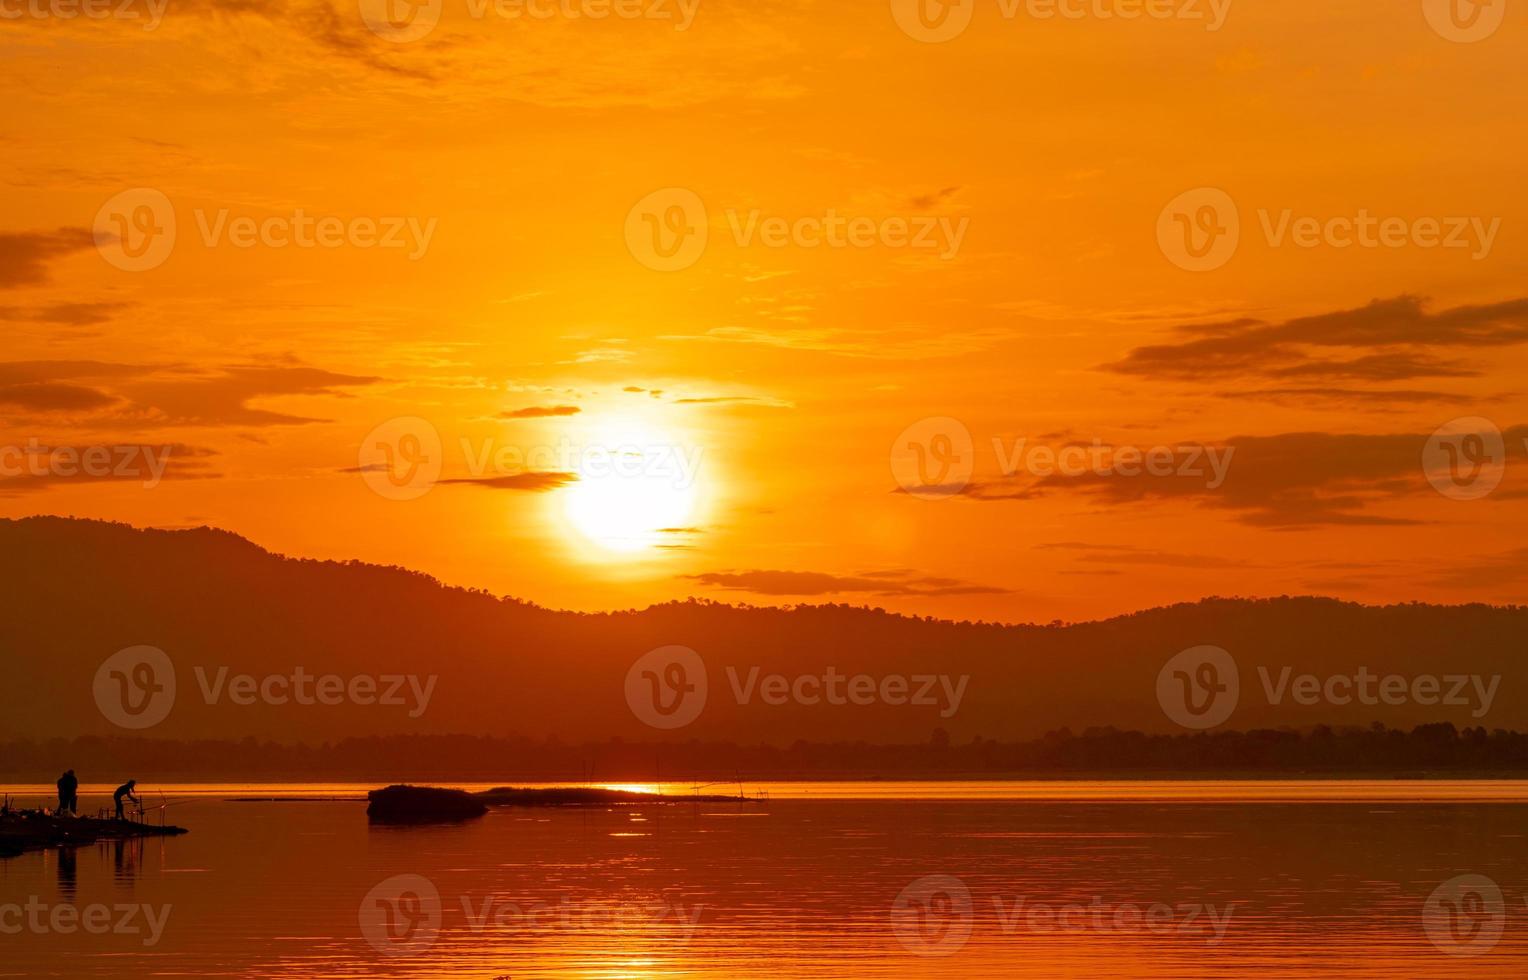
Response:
column 68, row 793
column 126, row 789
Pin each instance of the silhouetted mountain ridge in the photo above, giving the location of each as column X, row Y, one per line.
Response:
column 214, row 601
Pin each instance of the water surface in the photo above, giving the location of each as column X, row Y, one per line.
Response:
column 871, row 879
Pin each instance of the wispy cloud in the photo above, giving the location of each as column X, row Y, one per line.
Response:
column 898, row 583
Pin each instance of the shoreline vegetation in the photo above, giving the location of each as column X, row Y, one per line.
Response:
column 1427, row 751
column 35, row 830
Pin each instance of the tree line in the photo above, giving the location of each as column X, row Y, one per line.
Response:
column 1433, row 749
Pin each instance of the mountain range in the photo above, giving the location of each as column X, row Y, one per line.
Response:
column 258, row 642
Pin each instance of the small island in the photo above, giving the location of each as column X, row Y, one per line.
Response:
column 592, row 796
column 428, row 804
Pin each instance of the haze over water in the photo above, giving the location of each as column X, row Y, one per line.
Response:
column 1074, row 879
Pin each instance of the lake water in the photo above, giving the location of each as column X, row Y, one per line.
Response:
column 862, row 880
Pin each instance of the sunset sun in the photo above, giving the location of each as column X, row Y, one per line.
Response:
column 636, row 486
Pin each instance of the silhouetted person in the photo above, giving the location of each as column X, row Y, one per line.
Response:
column 126, row 789
column 68, row 793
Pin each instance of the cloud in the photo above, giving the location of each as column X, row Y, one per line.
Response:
column 914, row 342
column 24, row 256
column 158, row 396
column 537, row 482
column 27, row 469
column 1358, row 396
column 26, row 372
column 1290, row 481
column 900, row 583
column 51, row 396
column 1249, row 347
column 71, row 314
column 1394, row 366
column 1120, row 554
column 541, row 412
column 1487, row 571
column 734, row 400
column 601, row 355
column 931, row 200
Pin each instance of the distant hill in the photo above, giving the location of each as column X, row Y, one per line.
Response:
column 78, row 591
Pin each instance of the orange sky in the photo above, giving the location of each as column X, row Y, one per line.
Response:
column 1008, row 254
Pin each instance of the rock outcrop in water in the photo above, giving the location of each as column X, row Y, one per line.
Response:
column 430, row 804
column 421, row 804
